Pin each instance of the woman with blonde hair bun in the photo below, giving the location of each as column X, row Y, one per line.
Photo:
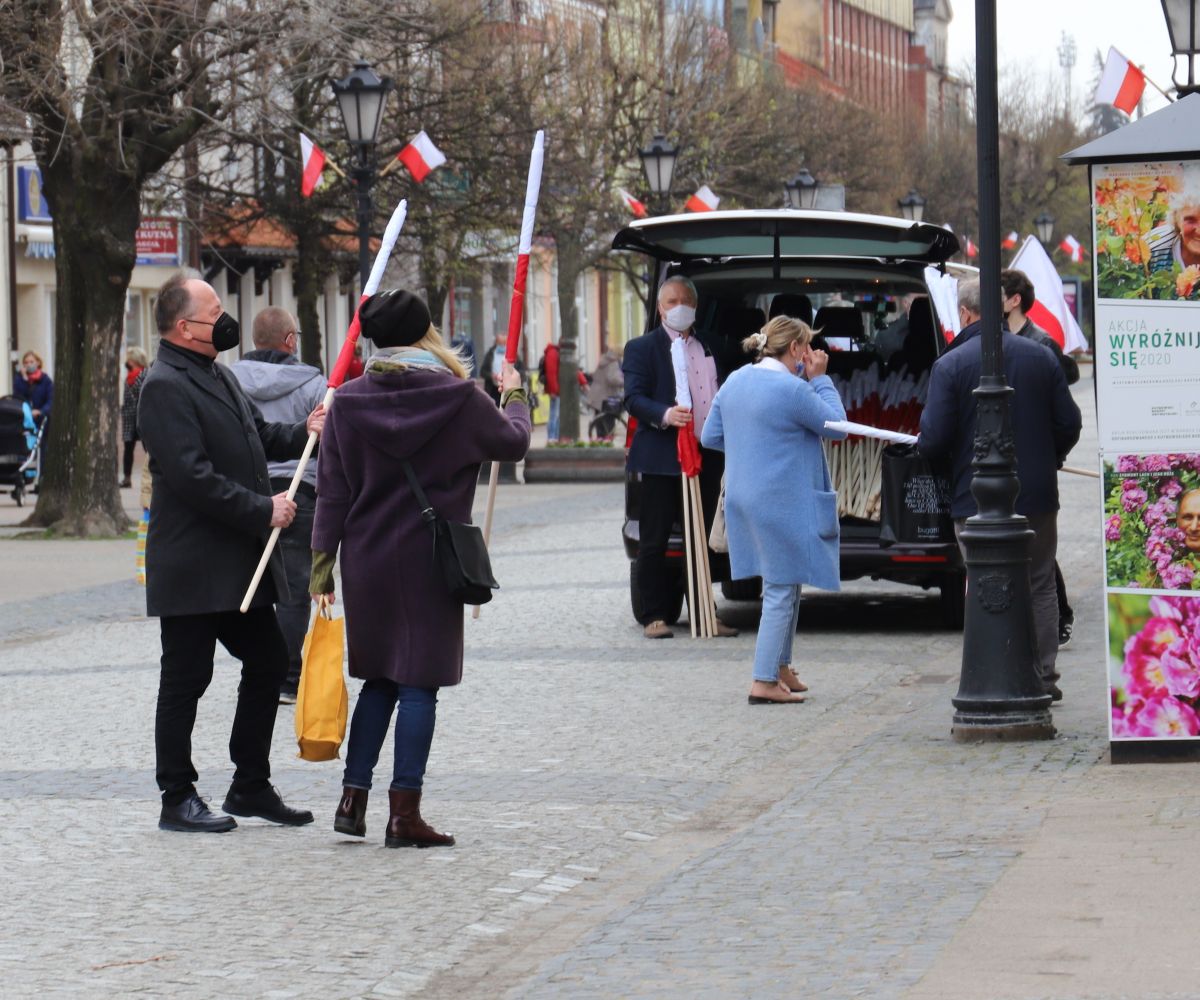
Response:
column 780, row 509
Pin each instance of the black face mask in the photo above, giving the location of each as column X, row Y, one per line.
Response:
column 226, row 334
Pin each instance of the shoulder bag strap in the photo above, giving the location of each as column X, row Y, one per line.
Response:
column 428, row 514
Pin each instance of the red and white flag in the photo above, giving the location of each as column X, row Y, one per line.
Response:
column 312, row 162
column 1121, row 83
column 703, row 200
column 1050, row 310
column 1010, row 241
column 421, row 156
column 533, row 190
column 635, row 206
column 970, row 249
column 1072, row 248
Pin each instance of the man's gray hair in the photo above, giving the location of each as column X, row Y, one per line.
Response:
column 679, row 279
column 968, row 296
column 173, row 304
column 272, row 326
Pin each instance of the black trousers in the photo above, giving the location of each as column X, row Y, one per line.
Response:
column 188, row 644
column 295, row 544
column 661, row 508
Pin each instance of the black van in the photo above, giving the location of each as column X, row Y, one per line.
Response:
column 847, row 275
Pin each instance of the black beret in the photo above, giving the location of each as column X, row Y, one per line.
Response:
column 395, row 318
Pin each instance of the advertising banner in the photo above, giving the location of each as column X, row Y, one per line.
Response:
column 1146, row 219
column 158, row 242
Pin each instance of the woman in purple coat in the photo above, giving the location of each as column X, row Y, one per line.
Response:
column 404, row 631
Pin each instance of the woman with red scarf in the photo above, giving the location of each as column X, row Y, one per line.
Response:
column 34, row 386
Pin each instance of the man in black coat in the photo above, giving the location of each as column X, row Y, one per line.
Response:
column 653, row 454
column 210, row 516
column 1045, row 424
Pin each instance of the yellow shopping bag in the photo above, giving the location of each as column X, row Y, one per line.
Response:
column 321, row 700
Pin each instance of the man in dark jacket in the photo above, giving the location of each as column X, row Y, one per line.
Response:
column 1045, row 423
column 210, row 516
column 1018, row 300
column 650, row 397
column 286, row 391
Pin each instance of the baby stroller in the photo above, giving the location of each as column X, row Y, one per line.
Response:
column 20, row 447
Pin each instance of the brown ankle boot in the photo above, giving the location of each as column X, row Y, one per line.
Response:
column 351, row 815
column 405, row 827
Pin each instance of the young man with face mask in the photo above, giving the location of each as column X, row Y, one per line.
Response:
column 650, row 397
column 210, row 516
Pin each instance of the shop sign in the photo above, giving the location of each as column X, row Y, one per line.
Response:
column 1146, row 229
column 31, row 202
column 158, row 242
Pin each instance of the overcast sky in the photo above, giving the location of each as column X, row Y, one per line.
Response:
column 1030, row 31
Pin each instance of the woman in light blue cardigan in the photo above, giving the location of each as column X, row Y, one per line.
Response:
column 780, row 509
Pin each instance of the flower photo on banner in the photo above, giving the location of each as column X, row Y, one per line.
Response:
column 1154, row 666
column 1148, row 233
column 1152, row 522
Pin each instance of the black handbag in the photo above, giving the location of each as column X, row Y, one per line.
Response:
column 914, row 498
column 459, row 552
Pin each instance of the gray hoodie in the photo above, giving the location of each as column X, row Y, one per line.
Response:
column 286, row 391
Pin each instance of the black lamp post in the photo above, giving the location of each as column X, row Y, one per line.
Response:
column 801, row 190
column 1184, row 30
column 1000, row 693
column 361, row 97
column 912, row 206
column 1044, row 224
column 658, row 160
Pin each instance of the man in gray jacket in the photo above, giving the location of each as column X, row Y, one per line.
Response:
column 286, row 391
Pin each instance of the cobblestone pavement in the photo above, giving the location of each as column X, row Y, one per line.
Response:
column 627, row 824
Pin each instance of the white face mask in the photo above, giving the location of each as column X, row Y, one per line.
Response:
column 680, row 317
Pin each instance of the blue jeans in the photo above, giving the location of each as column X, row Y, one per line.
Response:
column 416, row 712
column 776, row 630
column 552, row 423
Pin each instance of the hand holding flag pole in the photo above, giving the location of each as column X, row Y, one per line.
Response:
column 336, row 378
column 516, row 309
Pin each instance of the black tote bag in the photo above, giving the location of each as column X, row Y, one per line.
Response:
column 915, row 499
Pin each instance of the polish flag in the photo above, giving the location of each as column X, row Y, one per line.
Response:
column 421, row 156
column 1072, row 248
column 970, row 249
column 312, row 162
column 1010, row 241
column 635, row 206
column 1050, row 310
column 1121, row 83
column 703, row 200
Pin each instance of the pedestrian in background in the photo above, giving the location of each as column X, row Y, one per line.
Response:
column 606, row 388
column 464, row 344
column 285, row 390
column 781, row 514
column 1045, row 426
column 210, row 515
column 414, row 413
column 548, row 377
column 135, row 373
column 32, row 384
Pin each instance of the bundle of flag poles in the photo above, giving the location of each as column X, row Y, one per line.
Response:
column 516, row 309
column 336, row 378
column 891, row 403
column 702, row 610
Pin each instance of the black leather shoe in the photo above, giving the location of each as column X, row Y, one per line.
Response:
column 265, row 804
column 192, row 815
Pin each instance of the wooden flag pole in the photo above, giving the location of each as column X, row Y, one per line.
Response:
column 689, row 545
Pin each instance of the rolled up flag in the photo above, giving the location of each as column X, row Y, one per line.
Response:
column 686, row 446
column 421, row 156
column 533, row 188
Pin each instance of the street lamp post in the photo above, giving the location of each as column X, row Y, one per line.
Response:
column 658, row 160
column 1183, row 25
column 801, row 190
column 1000, row 694
column 361, row 97
column 912, row 206
column 1044, row 224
